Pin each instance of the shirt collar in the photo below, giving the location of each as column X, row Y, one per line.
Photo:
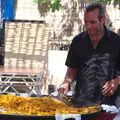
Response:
column 106, row 34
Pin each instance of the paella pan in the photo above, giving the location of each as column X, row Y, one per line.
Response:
column 38, row 108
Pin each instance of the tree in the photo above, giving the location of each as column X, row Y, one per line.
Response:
column 72, row 15
column 49, row 5
column 56, row 4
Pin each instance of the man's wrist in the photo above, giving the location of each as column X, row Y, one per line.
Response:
column 64, row 84
column 118, row 80
column 68, row 80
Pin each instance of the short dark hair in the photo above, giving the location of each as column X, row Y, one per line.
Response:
column 93, row 6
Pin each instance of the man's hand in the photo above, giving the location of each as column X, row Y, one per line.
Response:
column 69, row 78
column 64, row 88
column 110, row 87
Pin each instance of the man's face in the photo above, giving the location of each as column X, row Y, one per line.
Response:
column 93, row 24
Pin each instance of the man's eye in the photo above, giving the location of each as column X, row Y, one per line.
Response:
column 91, row 22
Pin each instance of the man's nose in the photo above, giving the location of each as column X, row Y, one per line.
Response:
column 88, row 26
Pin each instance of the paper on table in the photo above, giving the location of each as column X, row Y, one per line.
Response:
column 110, row 108
column 117, row 117
column 65, row 116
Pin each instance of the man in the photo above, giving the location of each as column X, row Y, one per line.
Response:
column 94, row 61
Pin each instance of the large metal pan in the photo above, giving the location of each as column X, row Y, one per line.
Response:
column 31, row 117
column 25, row 117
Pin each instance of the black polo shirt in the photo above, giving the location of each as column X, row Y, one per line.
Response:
column 95, row 67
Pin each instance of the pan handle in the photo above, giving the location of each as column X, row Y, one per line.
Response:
column 69, row 119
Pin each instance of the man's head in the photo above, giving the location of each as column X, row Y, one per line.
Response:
column 94, row 18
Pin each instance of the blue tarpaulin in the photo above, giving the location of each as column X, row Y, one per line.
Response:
column 7, row 9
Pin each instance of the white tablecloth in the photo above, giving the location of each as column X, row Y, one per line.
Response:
column 63, row 116
column 117, row 117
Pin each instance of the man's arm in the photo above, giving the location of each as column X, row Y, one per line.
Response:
column 69, row 78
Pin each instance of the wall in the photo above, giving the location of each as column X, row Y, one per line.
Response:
column 56, row 66
column 27, row 10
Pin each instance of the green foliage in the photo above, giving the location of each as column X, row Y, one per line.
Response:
column 108, row 1
column 54, row 4
column 105, row 1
